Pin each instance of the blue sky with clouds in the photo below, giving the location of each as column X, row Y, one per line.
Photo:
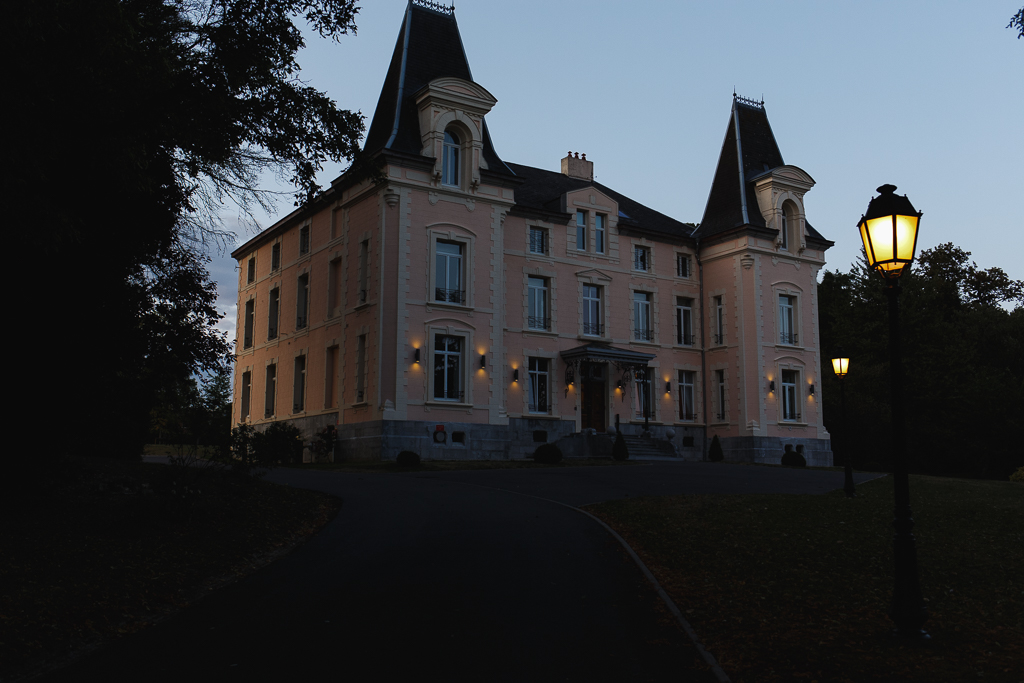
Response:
column 924, row 95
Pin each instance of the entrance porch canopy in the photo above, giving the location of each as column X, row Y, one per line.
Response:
column 632, row 364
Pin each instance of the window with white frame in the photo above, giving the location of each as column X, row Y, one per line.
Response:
column 246, row 394
column 448, row 368
column 719, row 312
column 720, row 376
column 537, row 389
column 642, row 405
column 787, row 221
column 270, row 393
column 299, row 385
column 450, row 159
column 302, row 302
column 448, row 278
column 682, row 265
column 641, row 258
column 687, row 404
column 273, row 313
column 538, row 241
column 787, row 320
column 599, row 232
column 684, row 321
column 642, row 328
column 592, row 325
column 581, row 230
column 538, row 315
column 304, row 240
column 790, row 398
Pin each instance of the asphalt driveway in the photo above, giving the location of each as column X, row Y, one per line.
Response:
column 447, row 576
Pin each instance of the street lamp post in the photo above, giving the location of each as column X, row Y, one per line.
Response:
column 889, row 232
column 841, row 365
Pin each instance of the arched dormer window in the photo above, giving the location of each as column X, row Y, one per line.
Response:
column 787, row 222
column 450, row 159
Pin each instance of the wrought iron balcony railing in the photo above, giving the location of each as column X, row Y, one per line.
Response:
column 687, row 417
column 643, row 335
column 789, row 338
column 687, row 339
column 535, row 323
column 301, row 322
column 791, row 418
column 593, row 329
column 451, row 395
column 452, row 296
column 719, row 339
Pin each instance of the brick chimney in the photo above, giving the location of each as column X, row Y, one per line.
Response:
column 575, row 167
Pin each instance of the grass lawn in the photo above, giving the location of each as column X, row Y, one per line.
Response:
column 104, row 548
column 796, row 588
column 449, row 465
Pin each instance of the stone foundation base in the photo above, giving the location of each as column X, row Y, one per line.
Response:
column 769, row 449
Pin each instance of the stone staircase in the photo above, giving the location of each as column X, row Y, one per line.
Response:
column 642, row 447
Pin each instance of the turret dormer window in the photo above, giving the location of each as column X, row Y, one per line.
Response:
column 450, row 160
column 787, row 222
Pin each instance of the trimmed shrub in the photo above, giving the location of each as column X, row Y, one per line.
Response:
column 548, row 454
column 280, row 442
column 619, row 450
column 715, row 452
column 791, row 458
column 1018, row 475
column 408, row 459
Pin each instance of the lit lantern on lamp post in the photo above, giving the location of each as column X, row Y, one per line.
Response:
column 889, row 231
column 840, row 366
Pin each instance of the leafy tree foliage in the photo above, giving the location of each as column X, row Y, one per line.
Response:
column 963, row 357
column 132, row 121
column 1017, row 20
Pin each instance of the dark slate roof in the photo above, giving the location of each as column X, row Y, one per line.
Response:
column 429, row 46
column 749, row 134
column 542, row 191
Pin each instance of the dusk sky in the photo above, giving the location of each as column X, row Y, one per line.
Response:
column 924, row 95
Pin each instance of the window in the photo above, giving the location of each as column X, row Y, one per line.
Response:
column 275, row 256
column 448, row 273
column 720, row 374
column 302, row 302
column 787, row 222
column 450, row 159
column 304, row 240
column 538, row 318
column 271, row 390
column 682, row 265
column 783, row 232
column 592, row 311
column 447, row 368
column 641, row 258
column 719, row 312
column 642, row 317
column 331, row 379
column 581, row 230
column 790, row 407
column 537, row 389
column 361, row 369
column 599, row 222
column 273, row 312
column 684, row 321
column 299, row 385
column 250, row 317
column 642, row 395
column 787, row 320
column 364, row 258
column 334, row 284
column 538, row 241
column 246, row 394
column 251, row 271
column 687, row 409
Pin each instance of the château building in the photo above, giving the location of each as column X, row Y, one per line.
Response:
column 464, row 306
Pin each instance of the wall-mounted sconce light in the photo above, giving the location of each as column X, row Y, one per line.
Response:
column 668, row 387
column 483, row 362
column 812, row 390
column 771, row 386
column 619, row 385
column 416, row 355
column 515, row 375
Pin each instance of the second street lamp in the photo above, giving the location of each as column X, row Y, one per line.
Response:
column 889, row 231
column 841, row 365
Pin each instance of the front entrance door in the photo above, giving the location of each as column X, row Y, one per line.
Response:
column 593, row 396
